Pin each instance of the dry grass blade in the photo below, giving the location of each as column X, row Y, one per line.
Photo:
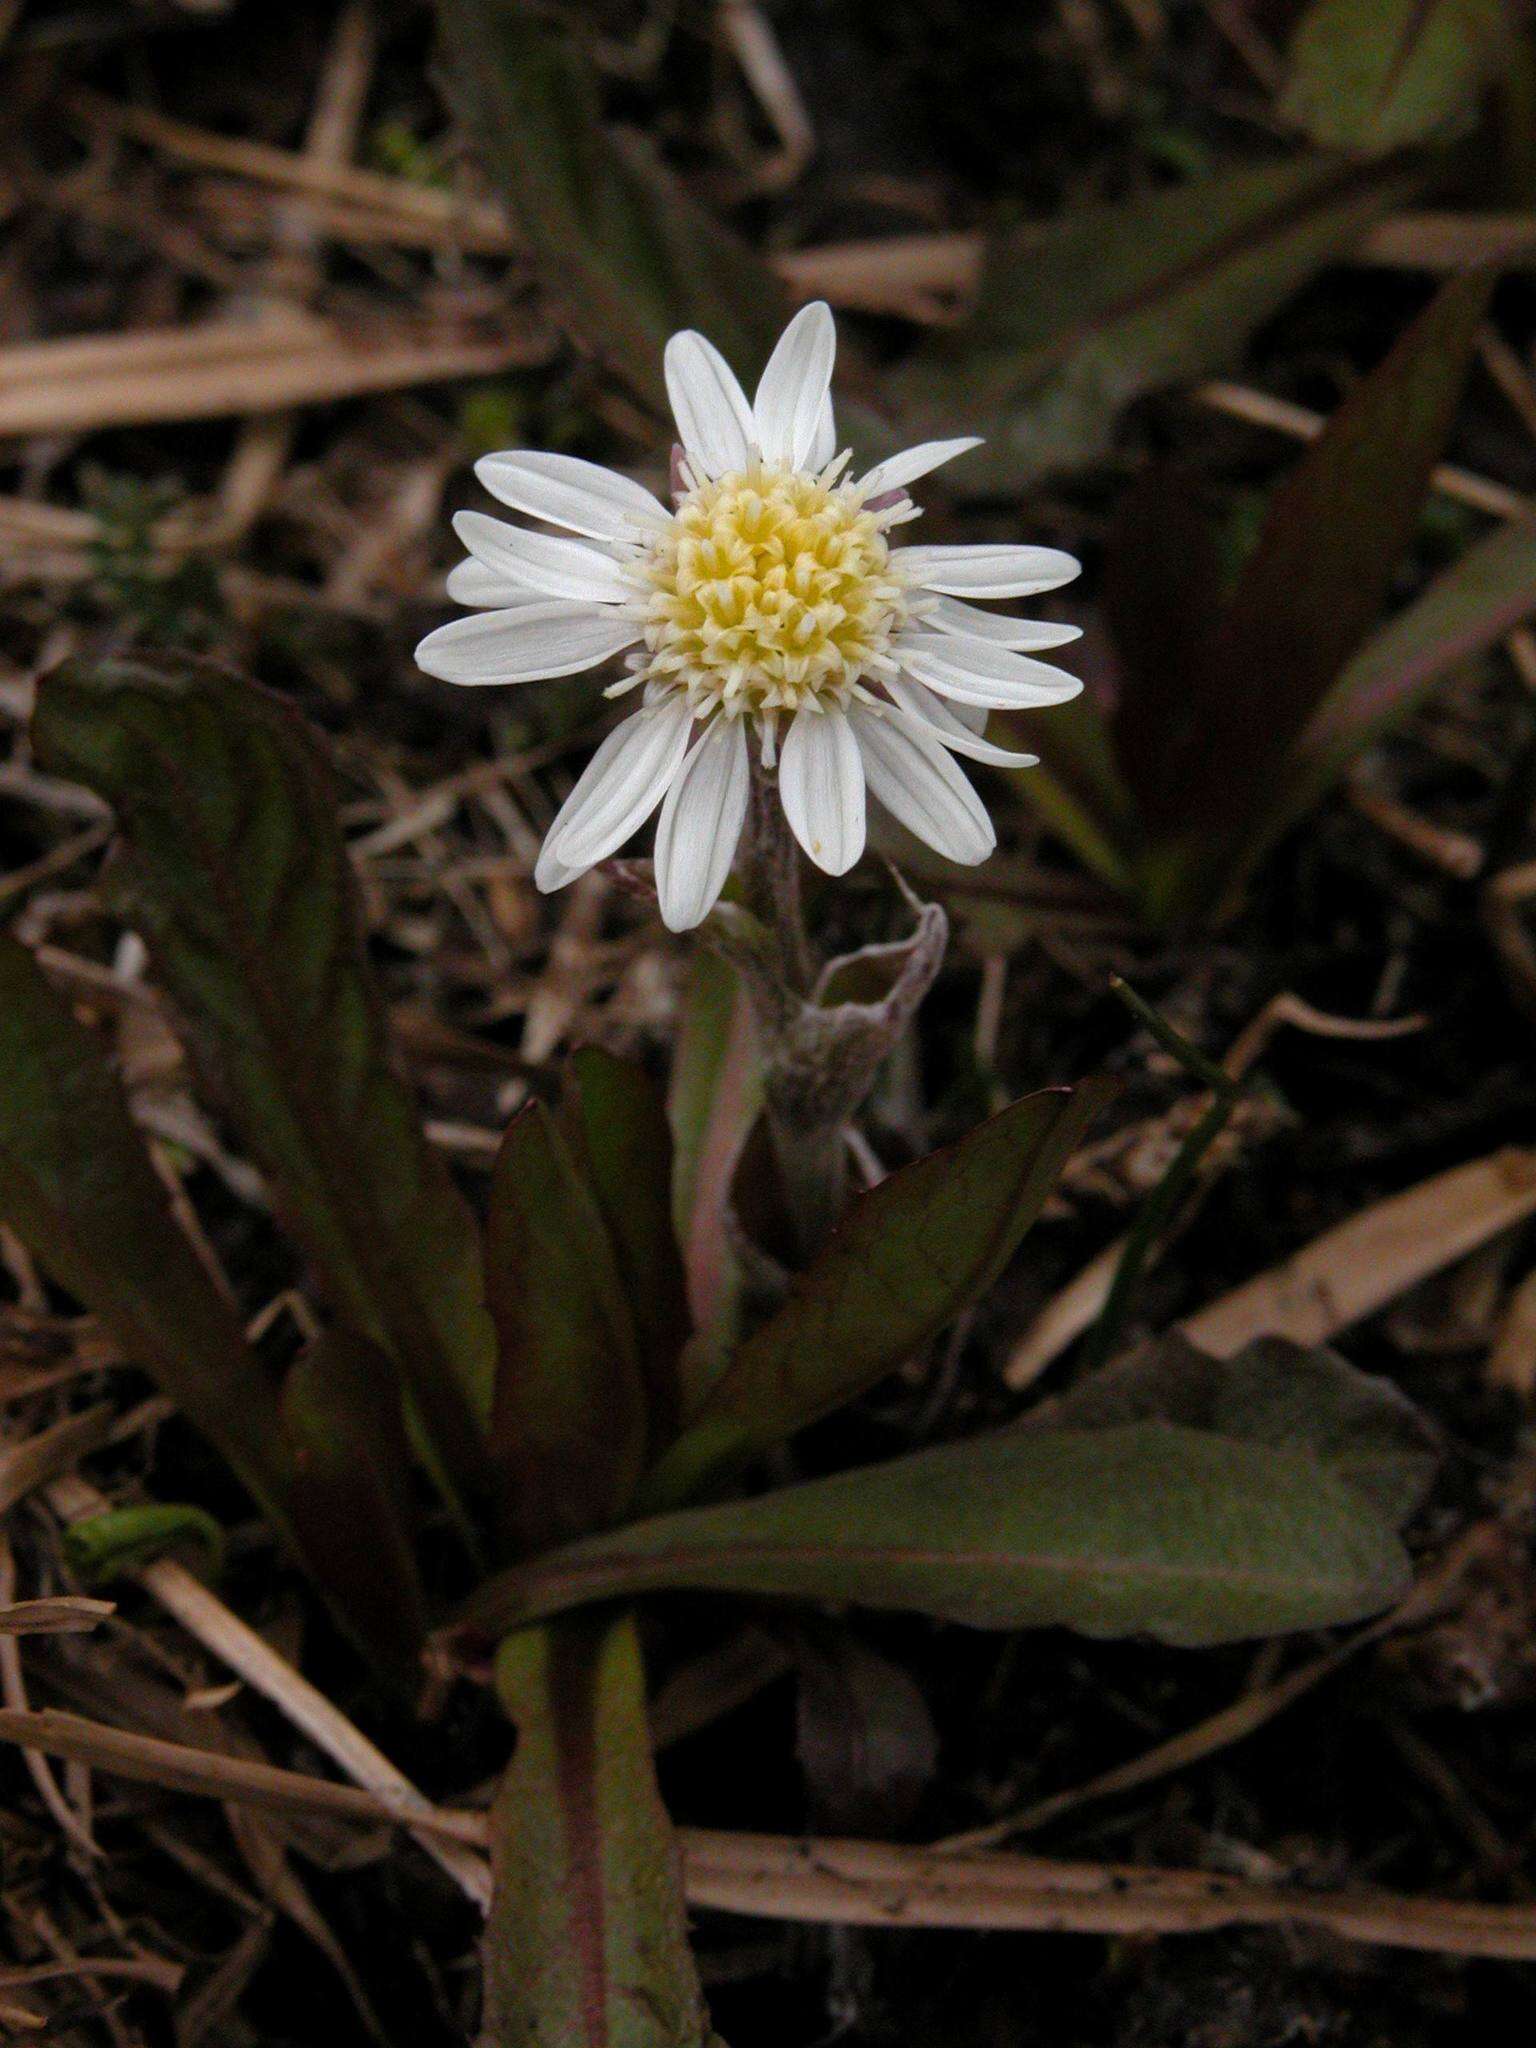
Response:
column 69, row 1614
column 1260, row 409
column 1244, row 1716
column 874, row 1884
column 227, row 367
column 13, row 1691
column 751, row 39
column 1512, row 1361
column 37, row 1460
column 150, row 1760
column 869, row 1884
column 912, row 276
column 917, row 277
column 1070, row 1311
column 1450, row 241
column 164, row 1976
column 1364, row 1262
column 476, row 226
column 219, row 1630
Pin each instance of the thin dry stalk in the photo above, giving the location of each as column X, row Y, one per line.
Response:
column 281, row 360
column 1429, row 1596
column 1260, row 409
column 1363, row 1263
column 68, row 1614
column 874, row 1884
column 868, row 1884
column 1077, row 1305
column 222, row 1632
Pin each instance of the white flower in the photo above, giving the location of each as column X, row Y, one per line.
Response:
column 767, row 605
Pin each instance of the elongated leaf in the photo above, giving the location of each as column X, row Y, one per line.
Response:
column 235, row 872
column 716, row 1097
column 1145, row 1529
column 77, row 1186
column 1078, row 788
column 587, row 1945
column 907, row 1258
column 1335, row 531
column 617, row 238
column 569, row 1426
column 1162, row 596
column 1463, row 612
column 1113, row 301
column 352, row 1495
column 1294, row 1396
column 1376, row 75
column 615, row 1123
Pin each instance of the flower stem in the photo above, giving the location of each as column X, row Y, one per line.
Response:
column 820, row 1056
column 769, row 866
column 807, row 1135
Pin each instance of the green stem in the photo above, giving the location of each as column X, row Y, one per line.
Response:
column 769, row 867
column 808, row 1147
column 1160, row 1207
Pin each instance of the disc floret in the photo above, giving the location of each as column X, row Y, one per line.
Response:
column 771, row 590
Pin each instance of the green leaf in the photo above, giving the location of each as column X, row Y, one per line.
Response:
column 1275, row 1392
column 617, row 238
column 1145, row 1529
column 1377, row 75
column 1463, row 612
column 1162, row 593
column 587, row 1945
column 126, row 1539
column 236, row 873
column 77, row 1186
column 1315, row 583
column 1111, row 301
column 903, row 1263
column 716, row 1097
column 352, row 1495
column 1078, row 788
column 615, row 1123
column 569, row 1425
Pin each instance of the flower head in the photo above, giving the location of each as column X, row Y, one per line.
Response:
column 769, row 608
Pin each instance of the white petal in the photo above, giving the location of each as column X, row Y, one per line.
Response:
column 523, row 643
column 701, row 821
column 622, row 784
column 581, row 496
column 987, row 569
column 921, row 787
column 821, row 786
column 980, row 672
column 794, row 387
column 550, row 874
column 473, row 584
column 912, row 463
column 710, row 407
column 824, row 447
column 938, row 720
column 544, row 562
column 1025, row 636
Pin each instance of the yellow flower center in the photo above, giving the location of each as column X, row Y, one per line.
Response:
column 770, row 588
